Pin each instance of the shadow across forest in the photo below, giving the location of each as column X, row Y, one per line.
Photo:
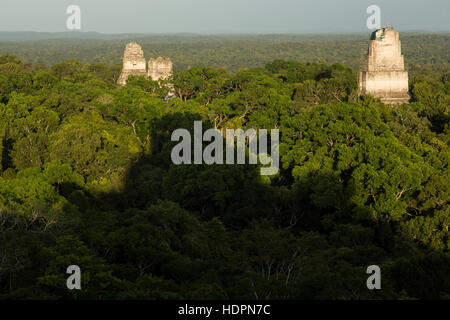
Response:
column 219, row 232
column 224, row 232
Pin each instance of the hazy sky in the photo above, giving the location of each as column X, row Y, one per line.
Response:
column 224, row 16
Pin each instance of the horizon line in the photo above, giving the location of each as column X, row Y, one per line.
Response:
column 221, row 33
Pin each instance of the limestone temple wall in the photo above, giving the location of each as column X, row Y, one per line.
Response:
column 159, row 68
column 385, row 76
column 134, row 64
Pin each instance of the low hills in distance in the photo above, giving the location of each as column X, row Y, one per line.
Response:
column 422, row 50
column 35, row 35
column 16, row 36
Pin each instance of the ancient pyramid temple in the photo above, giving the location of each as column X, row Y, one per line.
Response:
column 385, row 76
column 134, row 64
column 159, row 68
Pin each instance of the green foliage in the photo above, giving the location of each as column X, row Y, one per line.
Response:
column 423, row 52
column 86, row 178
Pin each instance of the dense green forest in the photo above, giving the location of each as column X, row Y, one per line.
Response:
column 422, row 51
column 86, row 177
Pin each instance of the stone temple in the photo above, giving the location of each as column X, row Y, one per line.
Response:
column 159, row 68
column 385, row 76
column 134, row 64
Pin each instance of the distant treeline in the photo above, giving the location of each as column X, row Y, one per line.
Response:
column 423, row 52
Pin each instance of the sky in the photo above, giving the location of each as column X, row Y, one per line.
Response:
column 224, row 16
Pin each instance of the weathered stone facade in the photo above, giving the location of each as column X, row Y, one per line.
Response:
column 385, row 76
column 160, row 68
column 134, row 64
